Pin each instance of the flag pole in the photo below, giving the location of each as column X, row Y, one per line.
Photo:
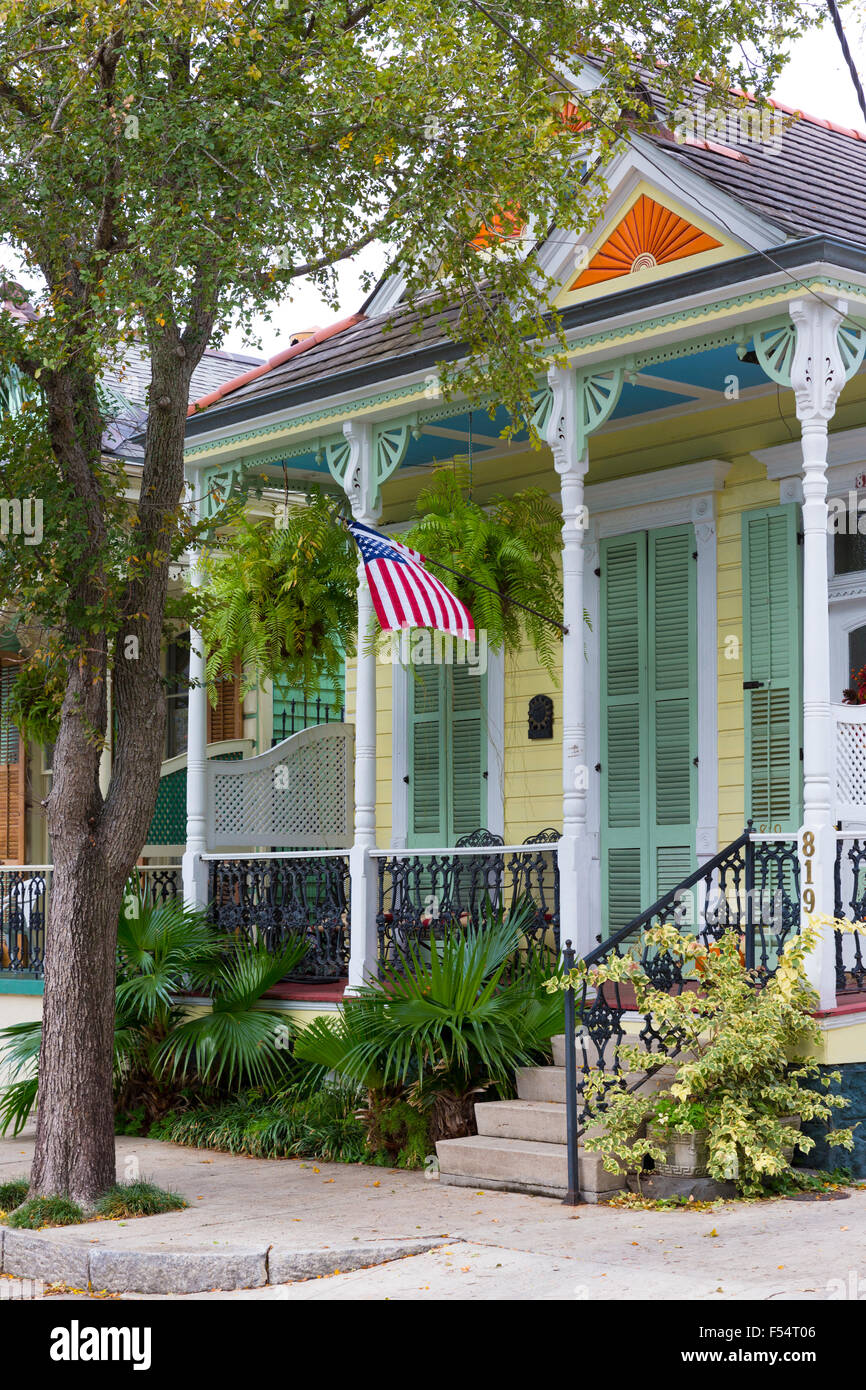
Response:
column 479, row 585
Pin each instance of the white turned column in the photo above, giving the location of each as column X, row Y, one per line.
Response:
column 817, row 376
column 571, row 462
column 195, row 887
column 360, row 489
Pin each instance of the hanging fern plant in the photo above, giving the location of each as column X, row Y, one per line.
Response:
column 282, row 599
column 511, row 546
column 35, row 700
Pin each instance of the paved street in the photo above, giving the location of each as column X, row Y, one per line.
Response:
column 485, row 1245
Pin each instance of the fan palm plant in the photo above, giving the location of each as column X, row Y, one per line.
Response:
column 165, row 951
column 451, row 1020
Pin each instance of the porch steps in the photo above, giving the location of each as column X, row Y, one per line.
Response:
column 521, row 1144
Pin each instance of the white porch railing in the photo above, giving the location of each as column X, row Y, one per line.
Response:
column 849, row 723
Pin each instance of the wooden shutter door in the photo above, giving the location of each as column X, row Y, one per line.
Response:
column 13, row 784
column 671, row 601
column 468, row 753
column 225, row 719
column 427, row 757
column 624, row 742
column 772, row 700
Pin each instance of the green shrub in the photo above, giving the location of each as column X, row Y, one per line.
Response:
column 13, row 1193
column 325, row 1126
column 130, row 1199
column 46, row 1211
column 160, row 1053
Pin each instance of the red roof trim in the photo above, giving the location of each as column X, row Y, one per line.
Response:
column 320, row 336
column 804, row 115
column 715, row 149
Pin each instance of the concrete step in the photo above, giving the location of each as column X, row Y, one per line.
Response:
column 548, row 1083
column 521, row 1165
column 540, row 1120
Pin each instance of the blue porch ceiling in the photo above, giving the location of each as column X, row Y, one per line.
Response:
column 695, row 379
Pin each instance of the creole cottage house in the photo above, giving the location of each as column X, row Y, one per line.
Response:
column 712, row 400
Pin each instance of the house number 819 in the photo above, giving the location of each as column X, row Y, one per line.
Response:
column 808, row 850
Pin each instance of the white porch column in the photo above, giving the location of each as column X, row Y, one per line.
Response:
column 360, row 487
column 817, row 376
column 571, row 460
column 194, row 871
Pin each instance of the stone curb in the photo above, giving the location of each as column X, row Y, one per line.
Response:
column 33, row 1255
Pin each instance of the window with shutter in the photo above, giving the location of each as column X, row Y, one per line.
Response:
column 447, row 753
column 772, row 701
column 225, row 719
column 649, row 717
column 13, row 785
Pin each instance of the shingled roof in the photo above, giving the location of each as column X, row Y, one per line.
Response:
column 812, row 184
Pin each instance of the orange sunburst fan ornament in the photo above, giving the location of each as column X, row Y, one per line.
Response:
column 647, row 236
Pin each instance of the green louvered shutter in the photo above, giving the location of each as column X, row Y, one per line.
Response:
column 671, row 595
column 468, row 759
column 623, row 727
column 447, row 754
column 772, row 698
column 649, row 718
column 427, row 762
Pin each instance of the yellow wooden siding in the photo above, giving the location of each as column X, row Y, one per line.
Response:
column 533, row 769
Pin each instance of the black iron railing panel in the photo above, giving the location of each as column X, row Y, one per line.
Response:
column 23, row 910
column 849, row 882
column 273, row 899
column 751, row 887
column 300, row 714
column 421, row 895
column 158, row 883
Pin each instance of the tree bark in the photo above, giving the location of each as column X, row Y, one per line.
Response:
column 96, row 841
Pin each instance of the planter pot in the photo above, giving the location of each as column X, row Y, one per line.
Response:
column 686, row 1155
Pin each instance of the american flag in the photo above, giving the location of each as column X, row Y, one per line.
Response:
column 404, row 594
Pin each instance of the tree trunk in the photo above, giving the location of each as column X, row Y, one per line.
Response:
column 96, row 841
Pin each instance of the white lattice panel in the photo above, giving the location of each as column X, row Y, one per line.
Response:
column 850, row 762
column 298, row 795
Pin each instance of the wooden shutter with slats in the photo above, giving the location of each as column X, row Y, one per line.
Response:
column 671, row 595
column 649, row 717
column 427, row 763
column 13, row 783
column 772, row 699
column 447, row 754
column 624, row 759
column 225, row 719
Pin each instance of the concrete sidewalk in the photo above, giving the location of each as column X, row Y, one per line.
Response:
column 257, row 1226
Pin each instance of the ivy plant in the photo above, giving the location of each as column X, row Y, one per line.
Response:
column 732, row 1042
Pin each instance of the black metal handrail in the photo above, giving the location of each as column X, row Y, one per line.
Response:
column 746, row 863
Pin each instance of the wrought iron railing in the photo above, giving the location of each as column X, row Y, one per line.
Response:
column 273, row 897
column 23, row 912
column 423, row 892
column 750, row 887
column 849, row 883
column 300, row 714
column 157, row 883
column 24, row 895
